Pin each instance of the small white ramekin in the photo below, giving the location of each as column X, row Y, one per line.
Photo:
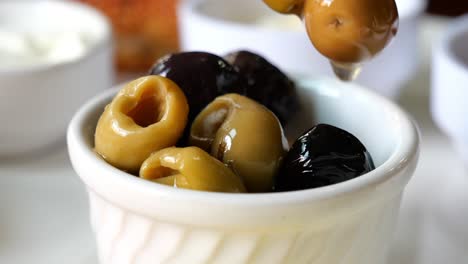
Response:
column 137, row 221
column 37, row 102
column 222, row 26
column 450, row 84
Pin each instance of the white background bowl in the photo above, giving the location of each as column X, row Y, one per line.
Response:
column 450, row 113
column 450, row 84
column 221, row 26
column 37, row 102
column 351, row 222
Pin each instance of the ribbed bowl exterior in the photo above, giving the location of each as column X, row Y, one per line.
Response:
column 125, row 237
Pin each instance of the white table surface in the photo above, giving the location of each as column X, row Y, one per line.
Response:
column 43, row 206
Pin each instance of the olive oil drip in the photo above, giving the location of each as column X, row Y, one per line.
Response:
column 346, row 71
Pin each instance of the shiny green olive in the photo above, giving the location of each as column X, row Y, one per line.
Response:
column 190, row 168
column 147, row 115
column 350, row 31
column 243, row 134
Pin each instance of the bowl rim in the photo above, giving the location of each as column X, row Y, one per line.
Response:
column 191, row 8
column 103, row 42
column 404, row 155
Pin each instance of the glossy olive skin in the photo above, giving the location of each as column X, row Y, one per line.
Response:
column 243, row 134
column 190, row 168
column 201, row 76
column 350, row 31
column 323, row 156
column 146, row 115
column 266, row 83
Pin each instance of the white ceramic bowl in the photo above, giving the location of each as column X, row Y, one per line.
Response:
column 137, row 221
column 37, row 102
column 450, row 84
column 221, row 26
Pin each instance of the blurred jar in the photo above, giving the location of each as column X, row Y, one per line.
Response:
column 448, row 7
column 144, row 30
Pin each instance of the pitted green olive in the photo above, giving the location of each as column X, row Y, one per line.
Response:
column 147, row 115
column 190, row 168
column 243, row 134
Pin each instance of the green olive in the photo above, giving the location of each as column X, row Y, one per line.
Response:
column 350, row 31
column 190, row 168
column 243, row 134
column 147, row 115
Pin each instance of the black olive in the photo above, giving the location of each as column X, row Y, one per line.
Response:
column 322, row 156
column 266, row 83
column 202, row 76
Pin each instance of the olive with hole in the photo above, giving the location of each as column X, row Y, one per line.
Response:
column 147, row 115
column 243, row 134
column 323, row 156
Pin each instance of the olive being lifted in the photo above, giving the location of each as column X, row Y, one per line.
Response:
column 266, row 84
column 322, row 156
column 190, row 168
column 350, row 31
column 243, row 134
column 201, row 76
column 347, row 32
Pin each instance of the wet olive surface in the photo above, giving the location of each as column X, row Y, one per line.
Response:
column 322, row 156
